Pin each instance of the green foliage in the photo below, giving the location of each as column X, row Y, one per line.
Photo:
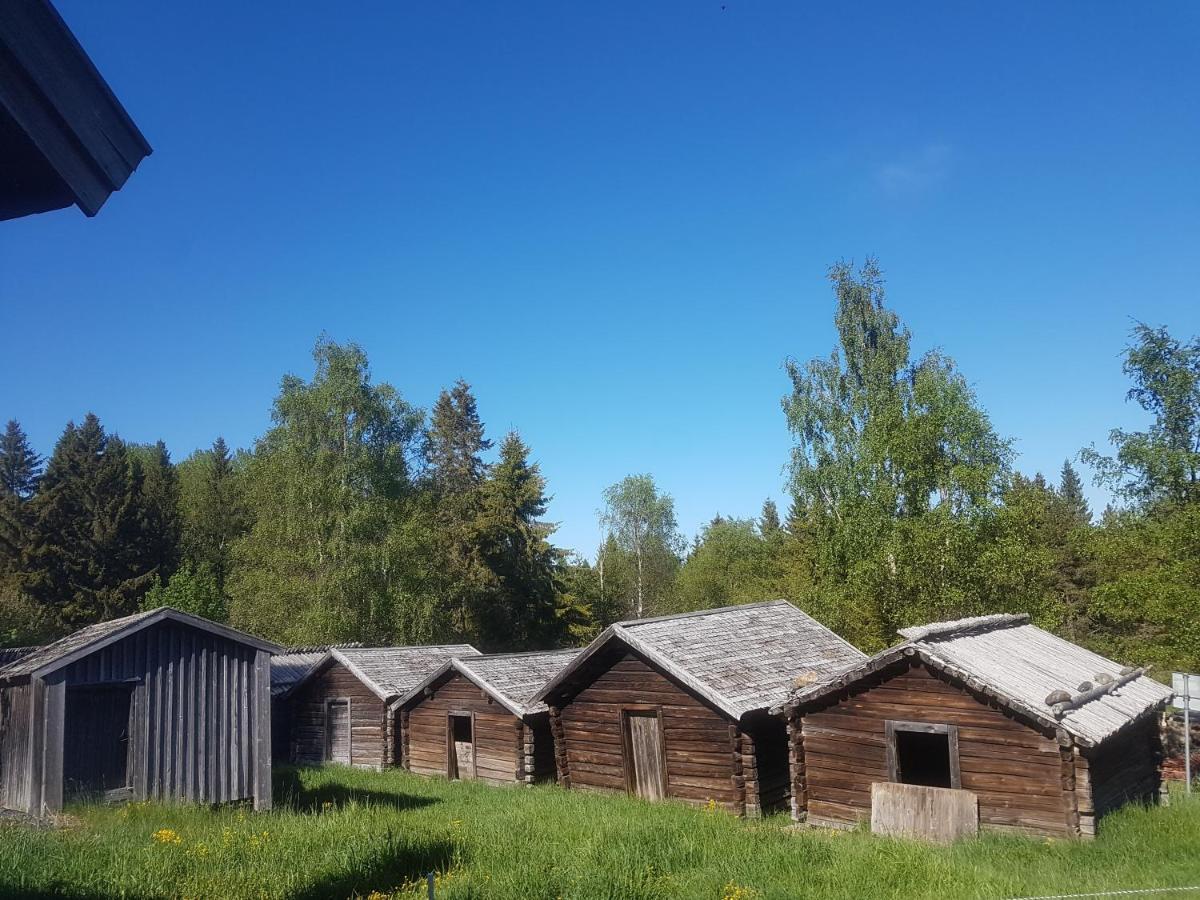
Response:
column 642, row 525
column 894, row 471
column 338, row 832
column 85, row 558
column 1161, row 464
column 20, row 466
column 325, row 486
column 733, row 562
column 213, row 508
column 193, row 590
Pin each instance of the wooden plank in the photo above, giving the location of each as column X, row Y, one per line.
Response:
column 930, row 813
column 262, row 730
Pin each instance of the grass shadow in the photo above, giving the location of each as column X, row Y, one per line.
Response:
column 291, row 793
column 387, row 867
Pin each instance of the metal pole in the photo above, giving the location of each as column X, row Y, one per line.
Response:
column 1187, row 731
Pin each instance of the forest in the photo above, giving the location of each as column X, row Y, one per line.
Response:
column 358, row 516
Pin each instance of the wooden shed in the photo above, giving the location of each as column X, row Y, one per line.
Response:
column 476, row 718
column 159, row 705
column 1046, row 736
column 64, row 137
column 288, row 669
column 340, row 710
column 677, row 706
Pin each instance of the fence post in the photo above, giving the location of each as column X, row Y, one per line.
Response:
column 429, row 883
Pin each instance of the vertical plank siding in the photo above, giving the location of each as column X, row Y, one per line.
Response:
column 1015, row 769
column 499, row 736
column 193, row 697
column 308, row 718
column 700, row 757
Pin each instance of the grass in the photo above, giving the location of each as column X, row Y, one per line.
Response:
column 337, row 832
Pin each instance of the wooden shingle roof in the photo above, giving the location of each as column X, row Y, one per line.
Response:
column 293, row 664
column 1022, row 667
column 391, row 672
column 92, row 637
column 739, row 658
column 511, row 678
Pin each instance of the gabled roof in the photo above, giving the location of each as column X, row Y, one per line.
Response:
column 67, row 139
column 1020, row 666
column 12, row 654
column 87, row 640
column 511, row 678
column 738, row 658
column 390, row 672
column 293, row 664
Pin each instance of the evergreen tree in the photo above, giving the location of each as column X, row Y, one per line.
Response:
column 520, row 612
column 1070, row 488
column 20, row 467
column 85, row 562
column 213, row 509
column 157, row 507
column 454, row 447
column 768, row 522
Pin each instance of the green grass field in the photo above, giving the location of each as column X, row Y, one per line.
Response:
column 337, row 832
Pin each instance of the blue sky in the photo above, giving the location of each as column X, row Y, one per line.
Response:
column 614, row 219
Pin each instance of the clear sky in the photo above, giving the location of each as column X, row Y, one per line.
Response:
column 614, row 219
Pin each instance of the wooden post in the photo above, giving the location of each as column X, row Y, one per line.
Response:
column 561, row 766
column 799, row 783
column 1070, row 799
column 53, row 717
column 739, row 768
column 262, row 730
column 404, row 762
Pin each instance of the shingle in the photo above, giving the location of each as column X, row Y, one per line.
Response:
column 514, row 678
column 394, row 671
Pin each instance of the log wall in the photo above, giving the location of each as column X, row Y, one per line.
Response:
column 705, row 752
column 1016, row 771
column 499, row 736
column 307, row 718
column 1125, row 769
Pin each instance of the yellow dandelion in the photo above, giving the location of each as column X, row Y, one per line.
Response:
column 166, row 836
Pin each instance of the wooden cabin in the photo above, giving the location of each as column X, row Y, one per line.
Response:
column 677, row 706
column 340, row 712
column 1044, row 736
column 289, row 668
column 159, row 705
column 64, row 137
column 476, row 718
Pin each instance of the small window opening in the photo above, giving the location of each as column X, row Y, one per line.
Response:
column 923, row 758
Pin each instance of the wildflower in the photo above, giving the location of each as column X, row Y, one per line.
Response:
column 166, row 836
column 738, row 892
column 377, row 895
column 711, row 806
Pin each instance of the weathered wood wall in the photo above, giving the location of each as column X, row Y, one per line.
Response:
column 307, row 718
column 499, row 736
column 1015, row 769
column 1126, row 769
column 199, row 721
column 704, row 750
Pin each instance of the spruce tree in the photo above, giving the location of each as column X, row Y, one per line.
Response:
column 157, row 508
column 768, row 522
column 85, row 561
column 1070, row 488
column 214, row 510
column 20, row 467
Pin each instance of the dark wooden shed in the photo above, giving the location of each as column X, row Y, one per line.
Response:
column 159, row 705
column 339, row 711
column 288, row 669
column 64, row 137
column 1046, row 735
column 476, row 718
column 677, row 706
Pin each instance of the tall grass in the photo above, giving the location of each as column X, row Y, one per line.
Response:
column 337, row 832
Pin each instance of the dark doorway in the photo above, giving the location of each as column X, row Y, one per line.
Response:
column 96, row 740
column 460, row 746
column 923, row 758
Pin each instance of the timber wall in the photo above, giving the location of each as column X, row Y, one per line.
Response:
column 1125, row 769
column 1019, row 773
column 306, row 716
column 499, row 736
column 704, row 750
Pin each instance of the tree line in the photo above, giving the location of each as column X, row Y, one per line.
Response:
column 358, row 517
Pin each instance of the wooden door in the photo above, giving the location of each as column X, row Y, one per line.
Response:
column 96, row 739
column 337, row 731
column 460, row 746
column 646, row 772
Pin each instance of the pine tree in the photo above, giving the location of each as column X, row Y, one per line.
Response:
column 1070, row 488
column 456, row 442
column 157, row 507
column 85, row 563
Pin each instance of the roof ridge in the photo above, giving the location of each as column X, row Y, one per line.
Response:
column 485, row 656
column 960, row 627
column 707, row 612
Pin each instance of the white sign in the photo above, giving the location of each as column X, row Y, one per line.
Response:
column 1186, row 685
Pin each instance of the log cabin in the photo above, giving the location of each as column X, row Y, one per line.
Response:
column 475, row 718
column 160, row 705
column 288, row 669
column 677, row 706
column 339, row 711
column 64, row 137
column 1044, row 735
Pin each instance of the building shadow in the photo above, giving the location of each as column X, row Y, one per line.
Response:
column 291, row 793
column 387, row 867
